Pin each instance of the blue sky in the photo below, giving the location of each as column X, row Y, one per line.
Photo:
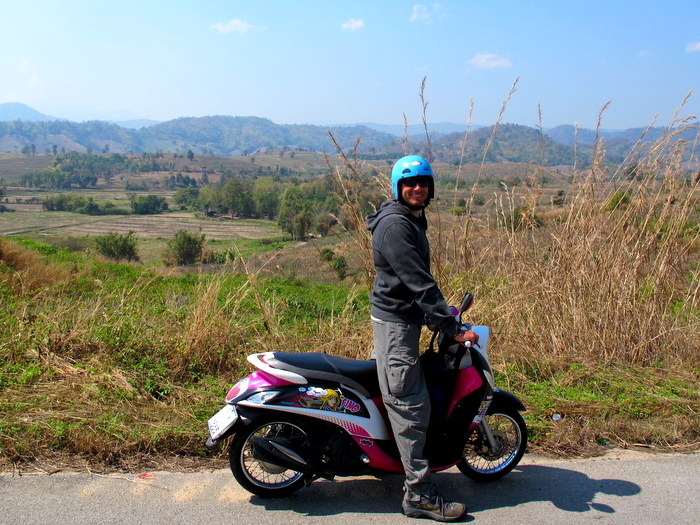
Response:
column 327, row 62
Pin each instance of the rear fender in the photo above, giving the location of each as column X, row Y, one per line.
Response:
column 246, row 416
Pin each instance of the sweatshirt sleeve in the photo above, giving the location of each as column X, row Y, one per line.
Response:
column 399, row 247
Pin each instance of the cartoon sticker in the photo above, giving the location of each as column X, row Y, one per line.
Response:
column 327, row 399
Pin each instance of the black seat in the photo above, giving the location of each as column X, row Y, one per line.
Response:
column 357, row 374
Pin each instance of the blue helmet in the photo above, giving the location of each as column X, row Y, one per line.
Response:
column 411, row 166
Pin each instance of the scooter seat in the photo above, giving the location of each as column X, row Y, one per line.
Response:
column 357, row 374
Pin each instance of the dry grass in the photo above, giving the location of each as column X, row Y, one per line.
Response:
column 594, row 308
column 608, row 281
column 27, row 271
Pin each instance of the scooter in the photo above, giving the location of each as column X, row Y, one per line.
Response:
column 301, row 417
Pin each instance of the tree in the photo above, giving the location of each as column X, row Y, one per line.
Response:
column 186, row 197
column 340, row 265
column 148, row 204
column 116, row 246
column 266, row 197
column 237, row 198
column 190, row 154
column 301, row 224
column 294, row 216
column 208, row 200
column 184, row 248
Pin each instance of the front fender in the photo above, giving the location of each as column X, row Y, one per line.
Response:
column 503, row 400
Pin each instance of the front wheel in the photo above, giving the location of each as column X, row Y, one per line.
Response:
column 480, row 461
column 259, row 477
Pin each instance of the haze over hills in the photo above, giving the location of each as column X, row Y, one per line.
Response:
column 22, row 126
column 17, row 111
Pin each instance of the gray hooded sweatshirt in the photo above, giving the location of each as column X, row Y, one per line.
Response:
column 404, row 289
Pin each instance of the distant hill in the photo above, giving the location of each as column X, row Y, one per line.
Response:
column 512, row 143
column 569, row 135
column 135, row 124
column 21, row 126
column 16, row 111
column 220, row 135
column 415, row 130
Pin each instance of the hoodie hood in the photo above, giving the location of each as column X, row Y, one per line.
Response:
column 393, row 207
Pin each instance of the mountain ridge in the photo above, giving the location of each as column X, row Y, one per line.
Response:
column 223, row 135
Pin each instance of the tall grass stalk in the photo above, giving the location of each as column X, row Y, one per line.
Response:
column 596, row 282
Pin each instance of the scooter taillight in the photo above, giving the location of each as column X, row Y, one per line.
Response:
column 237, row 389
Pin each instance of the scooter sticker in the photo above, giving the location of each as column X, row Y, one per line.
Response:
column 348, row 405
column 482, row 411
column 327, row 399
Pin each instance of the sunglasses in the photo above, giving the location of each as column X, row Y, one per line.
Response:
column 412, row 182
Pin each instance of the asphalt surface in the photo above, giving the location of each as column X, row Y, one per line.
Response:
column 621, row 488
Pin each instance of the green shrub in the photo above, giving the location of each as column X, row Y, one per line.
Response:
column 327, row 255
column 147, row 204
column 185, row 248
column 116, row 246
column 618, row 200
column 340, row 265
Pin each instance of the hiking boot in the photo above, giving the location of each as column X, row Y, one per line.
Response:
column 434, row 507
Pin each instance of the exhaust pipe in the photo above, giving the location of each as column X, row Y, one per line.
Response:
column 275, row 453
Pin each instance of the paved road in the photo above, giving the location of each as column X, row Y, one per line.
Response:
column 622, row 488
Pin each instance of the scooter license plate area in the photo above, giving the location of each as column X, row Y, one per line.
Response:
column 222, row 421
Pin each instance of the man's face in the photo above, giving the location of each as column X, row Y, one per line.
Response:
column 414, row 190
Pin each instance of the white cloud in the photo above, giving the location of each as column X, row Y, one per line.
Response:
column 235, row 25
column 419, row 12
column 692, row 47
column 425, row 13
column 353, row 24
column 489, row 61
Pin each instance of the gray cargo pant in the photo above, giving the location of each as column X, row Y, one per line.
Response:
column 405, row 396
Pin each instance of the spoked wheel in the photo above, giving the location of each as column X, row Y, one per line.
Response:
column 483, row 463
column 259, row 477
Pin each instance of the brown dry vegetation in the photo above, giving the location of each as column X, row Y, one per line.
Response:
column 594, row 306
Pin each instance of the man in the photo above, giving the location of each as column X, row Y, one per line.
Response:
column 404, row 293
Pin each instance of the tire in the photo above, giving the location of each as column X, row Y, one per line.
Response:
column 482, row 464
column 265, row 479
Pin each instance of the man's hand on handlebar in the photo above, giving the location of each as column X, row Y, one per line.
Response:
column 466, row 337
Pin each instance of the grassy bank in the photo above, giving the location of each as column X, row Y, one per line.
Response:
column 593, row 301
column 112, row 362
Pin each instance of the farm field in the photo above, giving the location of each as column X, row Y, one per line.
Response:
column 590, row 287
column 37, row 223
column 72, row 230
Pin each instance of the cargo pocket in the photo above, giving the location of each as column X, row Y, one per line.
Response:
column 404, row 375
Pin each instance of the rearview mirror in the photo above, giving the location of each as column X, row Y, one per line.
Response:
column 466, row 302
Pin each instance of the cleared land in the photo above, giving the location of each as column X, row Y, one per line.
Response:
column 164, row 226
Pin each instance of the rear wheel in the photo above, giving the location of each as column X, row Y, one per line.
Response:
column 481, row 462
column 259, row 477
